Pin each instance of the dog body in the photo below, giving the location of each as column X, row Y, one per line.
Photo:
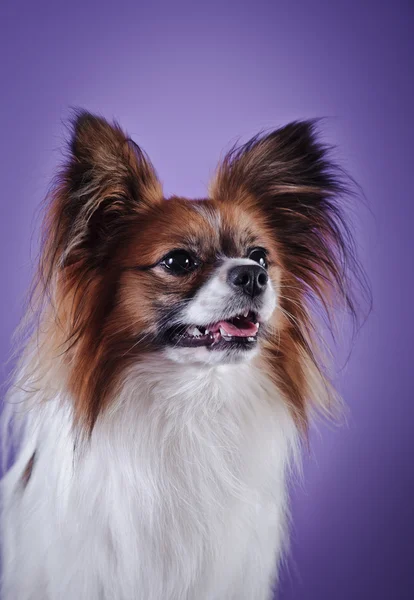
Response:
column 168, row 371
column 175, row 502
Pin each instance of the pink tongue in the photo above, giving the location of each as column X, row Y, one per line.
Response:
column 240, row 327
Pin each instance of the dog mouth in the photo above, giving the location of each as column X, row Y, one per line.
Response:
column 239, row 331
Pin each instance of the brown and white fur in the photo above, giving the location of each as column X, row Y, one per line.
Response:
column 154, row 457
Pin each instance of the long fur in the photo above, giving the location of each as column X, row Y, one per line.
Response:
column 146, row 473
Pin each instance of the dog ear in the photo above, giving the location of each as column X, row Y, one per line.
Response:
column 288, row 176
column 289, row 160
column 106, row 179
column 105, row 186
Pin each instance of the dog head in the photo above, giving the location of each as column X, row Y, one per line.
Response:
column 211, row 281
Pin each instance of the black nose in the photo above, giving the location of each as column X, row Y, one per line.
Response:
column 250, row 279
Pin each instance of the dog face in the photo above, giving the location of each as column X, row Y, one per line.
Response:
column 210, row 281
column 199, row 281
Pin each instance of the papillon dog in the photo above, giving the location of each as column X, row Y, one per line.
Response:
column 172, row 355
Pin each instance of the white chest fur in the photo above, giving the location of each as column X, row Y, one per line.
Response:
column 180, row 493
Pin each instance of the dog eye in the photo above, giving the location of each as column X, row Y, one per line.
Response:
column 259, row 255
column 179, row 262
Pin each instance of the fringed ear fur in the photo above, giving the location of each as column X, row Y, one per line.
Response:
column 106, row 178
column 105, row 186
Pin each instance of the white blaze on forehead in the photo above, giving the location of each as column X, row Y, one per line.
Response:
column 216, row 297
column 211, row 214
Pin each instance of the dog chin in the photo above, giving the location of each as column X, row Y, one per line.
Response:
column 204, row 356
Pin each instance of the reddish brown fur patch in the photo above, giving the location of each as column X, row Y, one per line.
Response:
column 124, row 326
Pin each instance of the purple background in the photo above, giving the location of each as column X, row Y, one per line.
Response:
column 185, row 79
